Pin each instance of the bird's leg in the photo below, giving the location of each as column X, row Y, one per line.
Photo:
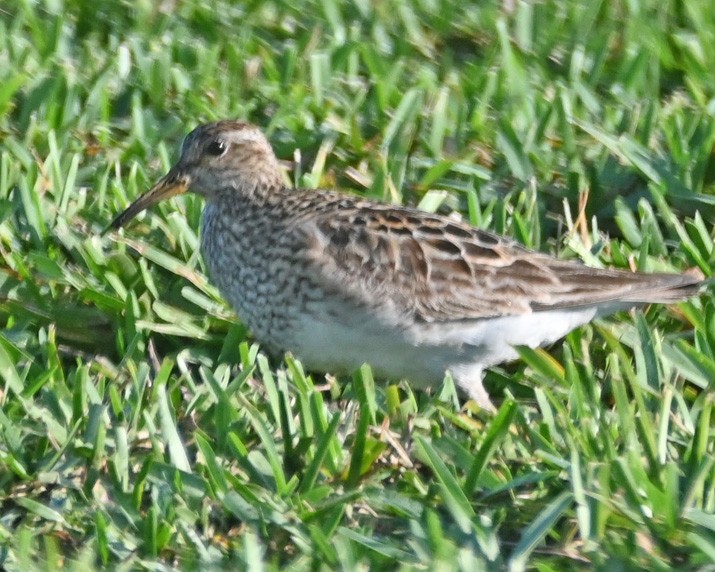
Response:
column 470, row 380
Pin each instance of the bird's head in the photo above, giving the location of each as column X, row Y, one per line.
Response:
column 216, row 158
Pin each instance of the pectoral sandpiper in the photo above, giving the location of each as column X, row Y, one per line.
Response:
column 341, row 281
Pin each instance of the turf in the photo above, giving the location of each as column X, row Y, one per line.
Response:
column 142, row 428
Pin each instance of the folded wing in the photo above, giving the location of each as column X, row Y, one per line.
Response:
column 435, row 269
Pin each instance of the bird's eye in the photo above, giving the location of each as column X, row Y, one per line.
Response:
column 217, row 147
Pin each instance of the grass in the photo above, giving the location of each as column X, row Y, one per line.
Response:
column 142, row 428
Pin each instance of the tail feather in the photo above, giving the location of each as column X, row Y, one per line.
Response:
column 673, row 289
column 588, row 289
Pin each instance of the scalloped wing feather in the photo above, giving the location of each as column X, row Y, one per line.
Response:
column 434, row 269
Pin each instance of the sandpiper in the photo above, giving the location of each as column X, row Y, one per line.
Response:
column 341, row 281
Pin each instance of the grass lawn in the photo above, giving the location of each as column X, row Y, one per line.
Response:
column 141, row 427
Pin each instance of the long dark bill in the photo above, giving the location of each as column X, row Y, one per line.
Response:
column 173, row 183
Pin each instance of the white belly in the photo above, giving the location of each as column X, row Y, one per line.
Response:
column 423, row 352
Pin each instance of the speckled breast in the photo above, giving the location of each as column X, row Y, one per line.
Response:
column 249, row 258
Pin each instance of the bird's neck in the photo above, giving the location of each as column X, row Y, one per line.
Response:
column 254, row 192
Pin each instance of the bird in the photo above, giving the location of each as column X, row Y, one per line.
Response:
column 340, row 281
